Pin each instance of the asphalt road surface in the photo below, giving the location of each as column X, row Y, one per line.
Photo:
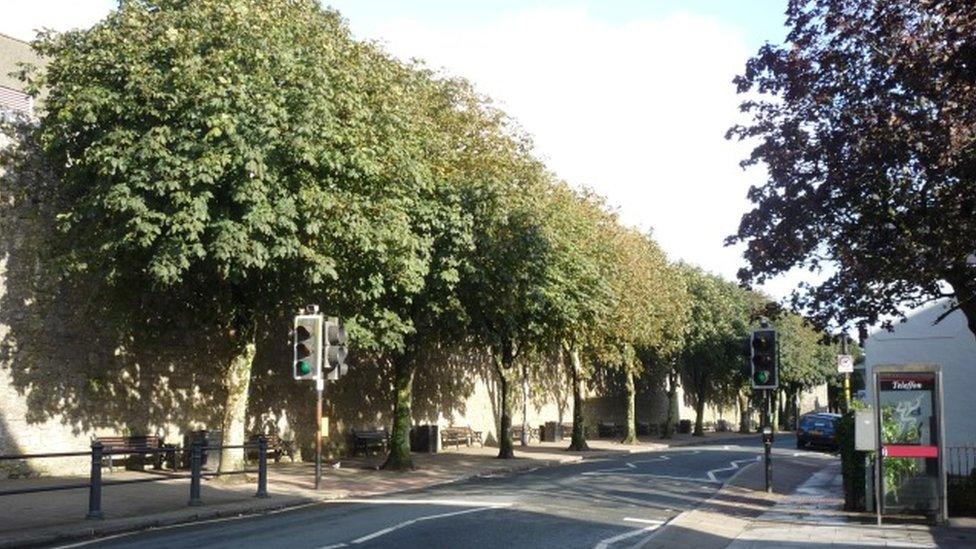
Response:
column 613, row 502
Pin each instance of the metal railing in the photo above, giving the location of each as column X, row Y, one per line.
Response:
column 960, row 460
column 98, row 453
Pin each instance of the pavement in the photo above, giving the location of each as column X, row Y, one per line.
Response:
column 804, row 510
column 52, row 517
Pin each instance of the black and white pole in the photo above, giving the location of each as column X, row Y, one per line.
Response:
column 320, row 388
column 767, row 439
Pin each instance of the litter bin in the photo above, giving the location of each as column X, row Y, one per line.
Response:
column 552, row 432
column 211, row 443
column 424, row 438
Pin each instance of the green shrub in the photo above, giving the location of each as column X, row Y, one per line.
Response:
column 961, row 493
column 852, row 465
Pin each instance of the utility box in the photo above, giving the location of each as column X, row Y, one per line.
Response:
column 865, row 431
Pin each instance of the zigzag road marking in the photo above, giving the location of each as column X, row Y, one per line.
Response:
column 732, row 467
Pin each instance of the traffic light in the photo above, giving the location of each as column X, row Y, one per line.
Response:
column 307, row 363
column 764, row 360
column 335, row 349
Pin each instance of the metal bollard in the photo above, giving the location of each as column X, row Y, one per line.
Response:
column 196, row 465
column 262, row 468
column 95, row 483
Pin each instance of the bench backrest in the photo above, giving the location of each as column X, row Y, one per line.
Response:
column 369, row 433
column 136, row 441
column 273, row 438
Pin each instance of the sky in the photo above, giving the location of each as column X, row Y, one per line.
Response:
column 631, row 98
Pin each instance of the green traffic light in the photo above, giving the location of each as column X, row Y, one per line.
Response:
column 762, row 377
column 304, row 368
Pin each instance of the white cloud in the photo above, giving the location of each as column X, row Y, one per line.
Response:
column 22, row 18
column 637, row 111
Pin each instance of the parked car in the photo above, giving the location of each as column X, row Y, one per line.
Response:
column 817, row 429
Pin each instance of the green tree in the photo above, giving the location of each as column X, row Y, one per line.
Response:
column 250, row 154
column 469, row 150
column 649, row 312
column 711, row 359
column 503, row 289
column 805, row 360
column 579, row 296
column 864, row 120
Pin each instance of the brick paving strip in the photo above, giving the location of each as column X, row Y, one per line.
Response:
column 50, row 517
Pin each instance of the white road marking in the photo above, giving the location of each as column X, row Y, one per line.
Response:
column 645, row 521
column 336, row 546
column 621, row 472
column 732, row 467
column 603, row 544
column 446, row 502
column 631, row 465
column 410, row 522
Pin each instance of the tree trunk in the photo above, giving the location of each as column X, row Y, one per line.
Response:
column 237, row 380
column 399, row 458
column 965, row 289
column 503, row 365
column 743, row 412
column 672, row 418
column 525, row 405
column 631, row 436
column 700, row 414
column 578, row 442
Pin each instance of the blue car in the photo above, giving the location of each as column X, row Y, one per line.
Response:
column 817, row 429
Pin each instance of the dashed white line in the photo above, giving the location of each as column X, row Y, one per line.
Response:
column 410, row 522
column 644, row 521
column 652, row 525
column 446, row 502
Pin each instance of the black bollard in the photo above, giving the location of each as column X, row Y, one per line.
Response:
column 196, row 466
column 95, row 483
column 262, row 468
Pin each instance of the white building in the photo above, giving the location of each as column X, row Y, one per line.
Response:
column 949, row 344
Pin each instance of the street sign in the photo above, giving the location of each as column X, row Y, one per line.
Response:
column 845, row 364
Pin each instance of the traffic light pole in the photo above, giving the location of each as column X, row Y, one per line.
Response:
column 320, row 389
column 767, row 438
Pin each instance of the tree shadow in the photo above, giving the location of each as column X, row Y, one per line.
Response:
column 79, row 353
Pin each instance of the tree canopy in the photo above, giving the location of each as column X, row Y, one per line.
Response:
column 864, row 120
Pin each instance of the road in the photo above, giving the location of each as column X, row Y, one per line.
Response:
column 599, row 503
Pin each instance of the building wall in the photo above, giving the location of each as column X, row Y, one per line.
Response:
column 949, row 344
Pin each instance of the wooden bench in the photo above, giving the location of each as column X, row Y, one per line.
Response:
column 138, row 446
column 517, row 433
column 609, row 430
column 370, row 439
column 459, row 435
column 567, row 429
column 276, row 447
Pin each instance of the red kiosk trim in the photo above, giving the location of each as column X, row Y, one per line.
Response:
column 909, row 451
